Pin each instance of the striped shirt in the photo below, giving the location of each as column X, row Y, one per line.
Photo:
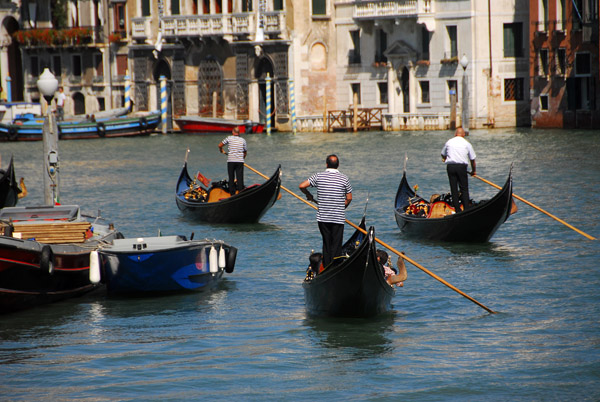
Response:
column 236, row 148
column 332, row 187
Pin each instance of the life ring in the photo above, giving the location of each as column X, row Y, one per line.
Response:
column 101, row 129
column 47, row 260
column 13, row 133
column 144, row 123
column 231, row 259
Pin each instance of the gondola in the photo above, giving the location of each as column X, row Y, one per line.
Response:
column 9, row 189
column 352, row 286
column 45, row 254
column 163, row 264
column 215, row 205
column 437, row 220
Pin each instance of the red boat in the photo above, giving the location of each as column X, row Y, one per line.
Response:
column 197, row 124
column 45, row 254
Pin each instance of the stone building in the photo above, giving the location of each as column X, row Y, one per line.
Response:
column 564, row 49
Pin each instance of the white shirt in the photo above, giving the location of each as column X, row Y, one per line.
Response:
column 60, row 99
column 458, row 150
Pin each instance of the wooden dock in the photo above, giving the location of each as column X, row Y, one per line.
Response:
column 366, row 119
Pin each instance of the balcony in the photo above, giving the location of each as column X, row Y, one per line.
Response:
column 241, row 24
column 141, row 28
column 378, row 9
column 70, row 37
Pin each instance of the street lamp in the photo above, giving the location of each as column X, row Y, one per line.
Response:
column 464, row 62
column 47, row 85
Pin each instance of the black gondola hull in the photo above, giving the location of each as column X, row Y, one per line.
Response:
column 9, row 190
column 354, row 288
column 248, row 206
column 475, row 225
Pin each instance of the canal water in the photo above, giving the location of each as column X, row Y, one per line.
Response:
column 251, row 339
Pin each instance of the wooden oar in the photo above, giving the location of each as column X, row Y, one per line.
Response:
column 422, row 268
column 538, row 208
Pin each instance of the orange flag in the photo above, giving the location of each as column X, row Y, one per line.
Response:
column 203, row 179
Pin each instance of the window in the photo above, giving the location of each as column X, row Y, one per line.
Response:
column 76, row 71
column 543, row 62
column 542, row 15
column 98, row 65
column 561, row 61
column 120, row 18
column 424, row 85
column 246, row 6
column 452, row 90
column 582, row 64
column 355, row 88
column 380, row 45
column 35, row 66
column 319, row 7
column 101, row 104
column 354, row 52
column 560, row 15
column 174, row 7
column 121, row 64
column 277, row 5
column 425, row 38
column 145, row 8
column 513, row 89
column 576, row 15
column 383, row 92
column 513, row 40
column 544, row 102
column 453, row 41
column 57, row 66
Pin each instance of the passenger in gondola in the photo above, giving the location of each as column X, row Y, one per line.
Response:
column 334, row 194
column 457, row 153
column 393, row 276
column 237, row 151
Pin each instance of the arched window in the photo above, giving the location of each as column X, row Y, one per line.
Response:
column 78, row 103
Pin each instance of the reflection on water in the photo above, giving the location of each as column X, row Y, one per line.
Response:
column 358, row 337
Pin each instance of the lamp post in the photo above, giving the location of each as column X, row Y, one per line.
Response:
column 464, row 62
column 47, row 85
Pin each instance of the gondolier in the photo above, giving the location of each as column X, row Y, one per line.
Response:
column 457, row 153
column 237, row 151
column 334, row 194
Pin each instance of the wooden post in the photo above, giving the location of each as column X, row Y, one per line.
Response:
column 453, row 109
column 214, row 102
column 355, row 112
column 325, row 123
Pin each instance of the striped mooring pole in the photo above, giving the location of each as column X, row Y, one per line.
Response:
column 127, row 92
column 163, row 103
column 293, row 106
column 268, row 101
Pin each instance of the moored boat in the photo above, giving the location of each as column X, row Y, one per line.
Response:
column 45, row 254
column 437, row 220
column 9, row 189
column 351, row 286
column 198, row 124
column 164, row 264
column 119, row 126
column 214, row 204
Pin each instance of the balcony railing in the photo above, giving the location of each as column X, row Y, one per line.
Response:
column 366, row 9
column 141, row 27
column 213, row 24
column 45, row 37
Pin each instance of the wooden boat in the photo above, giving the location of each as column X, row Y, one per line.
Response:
column 216, row 205
column 120, row 126
column 45, row 254
column 352, row 286
column 437, row 221
column 164, row 264
column 197, row 124
column 9, row 189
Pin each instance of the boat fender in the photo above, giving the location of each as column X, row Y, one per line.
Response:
column 144, row 123
column 213, row 260
column 222, row 262
column 47, row 260
column 101, row 128
column 13, row 133
column 231, row 260
column 94, row 267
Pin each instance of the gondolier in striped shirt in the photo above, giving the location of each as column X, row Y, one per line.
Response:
column 334, row 194
column 237, row 151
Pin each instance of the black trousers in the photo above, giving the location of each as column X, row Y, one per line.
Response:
column 235, row 171
column 457, row 174
column 333, row 235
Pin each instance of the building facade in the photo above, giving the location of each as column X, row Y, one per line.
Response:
column 564, row 50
